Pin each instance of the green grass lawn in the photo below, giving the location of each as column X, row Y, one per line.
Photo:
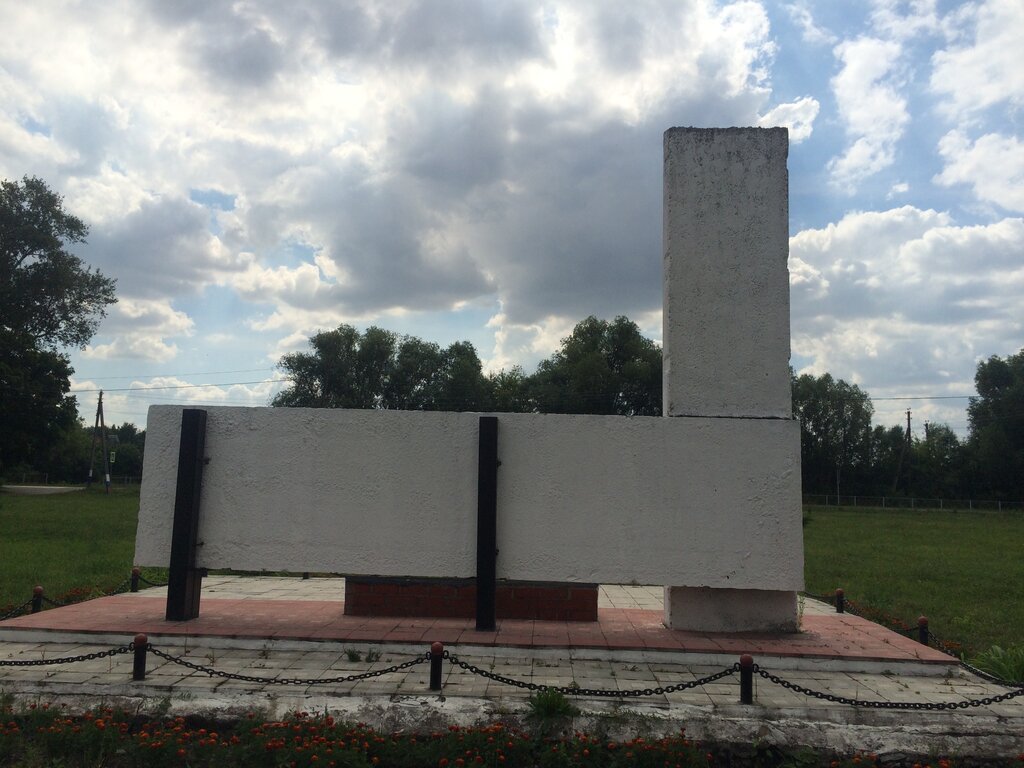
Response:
column 80, row 539
column 963, row 570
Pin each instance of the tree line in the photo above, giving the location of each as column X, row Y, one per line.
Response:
column 609, row 367
column 50, row 300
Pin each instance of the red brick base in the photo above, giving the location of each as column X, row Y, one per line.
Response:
column 456, row 599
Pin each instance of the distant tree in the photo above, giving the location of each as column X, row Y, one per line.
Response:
column 835, row 434
column 509, row 391
column 49, row 299
column 46, row 293
column 36, row 411
column 379, row 369
column 938, row 461
column 996, row 418
column 602, row 368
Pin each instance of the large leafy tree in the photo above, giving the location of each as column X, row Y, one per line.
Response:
column 379, row 369
column 996, row 418
column 602, row 367
column 49, row 299
column 835, row 433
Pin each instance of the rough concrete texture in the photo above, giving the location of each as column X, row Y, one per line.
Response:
column 400, row 701
column 725, row 318
column 730, row 610
column 726, row 277
column 694, row 502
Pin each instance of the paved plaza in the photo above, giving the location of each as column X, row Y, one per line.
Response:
column 307, row 638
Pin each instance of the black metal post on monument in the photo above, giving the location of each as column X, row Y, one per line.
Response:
column 487, row 525
column 184, row 580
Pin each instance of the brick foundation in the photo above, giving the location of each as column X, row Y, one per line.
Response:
column 456, row 599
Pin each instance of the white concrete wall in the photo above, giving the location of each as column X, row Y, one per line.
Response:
column 726, row 276
column 694, row 502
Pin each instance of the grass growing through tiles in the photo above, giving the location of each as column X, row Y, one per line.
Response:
column 963, row 570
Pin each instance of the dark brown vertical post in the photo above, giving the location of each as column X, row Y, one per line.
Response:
column 487, row 525
column 140, row 647
column 436, row 659
column 746, row 679
column 185, row 580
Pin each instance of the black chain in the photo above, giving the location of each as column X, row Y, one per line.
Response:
column 151, row 583
column 68, row 659
column 287, row 680
column 934, row 640
column 571, row 690
column 927, row 705
column 54, row 603
column 17, row 611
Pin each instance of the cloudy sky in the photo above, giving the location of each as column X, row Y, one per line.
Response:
column 254, row 171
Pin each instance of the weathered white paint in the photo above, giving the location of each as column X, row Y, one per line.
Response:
column 726, row 279
column 700, row 502
column 731, row 610
column 726, row 322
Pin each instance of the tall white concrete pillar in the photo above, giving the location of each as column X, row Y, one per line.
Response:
column 726, row 318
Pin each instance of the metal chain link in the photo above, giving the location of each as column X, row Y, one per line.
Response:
column 151, row 583
column 54, row 603
column 934, row 640
column 577, row 691
column 16, row 611
column 927, row 705
column 287, row 680
column 68, row 659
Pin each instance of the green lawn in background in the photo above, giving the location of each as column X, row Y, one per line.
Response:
column 80, row 539
column 963, row 570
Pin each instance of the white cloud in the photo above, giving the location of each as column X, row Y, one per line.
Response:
column 897, row 189
column 797, row 115
column 871, row 107
column 810, row 31
column 899, row 299
column 993, row 166
column 985, row 69
column 139, row 330
column 903, row 19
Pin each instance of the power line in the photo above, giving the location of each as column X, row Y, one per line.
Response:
column 180, row 386
column 162, row 375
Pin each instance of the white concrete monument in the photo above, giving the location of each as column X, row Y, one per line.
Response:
column 725, row 319
column 704, row 500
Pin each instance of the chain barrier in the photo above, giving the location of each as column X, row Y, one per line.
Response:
column 121, row 588
column 144, row 580
column 572, row 690
column 894, row 625
column 288, row 680
column 569, row 690
column 68, row 659
column 17, row 610
column 917, row 705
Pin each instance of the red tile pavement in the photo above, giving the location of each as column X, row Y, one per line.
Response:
column 830, row 636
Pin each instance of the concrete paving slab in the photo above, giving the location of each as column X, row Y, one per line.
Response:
column 778, row 716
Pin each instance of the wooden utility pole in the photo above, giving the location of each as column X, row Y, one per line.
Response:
column 904, row 455
column 99, row 433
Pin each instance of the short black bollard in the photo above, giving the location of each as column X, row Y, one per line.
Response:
column 135, row 579
column 436, row 657
column 141, row 648
column 37, row 599
column 922, row 630
column 840, row 601
column 746, row 679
